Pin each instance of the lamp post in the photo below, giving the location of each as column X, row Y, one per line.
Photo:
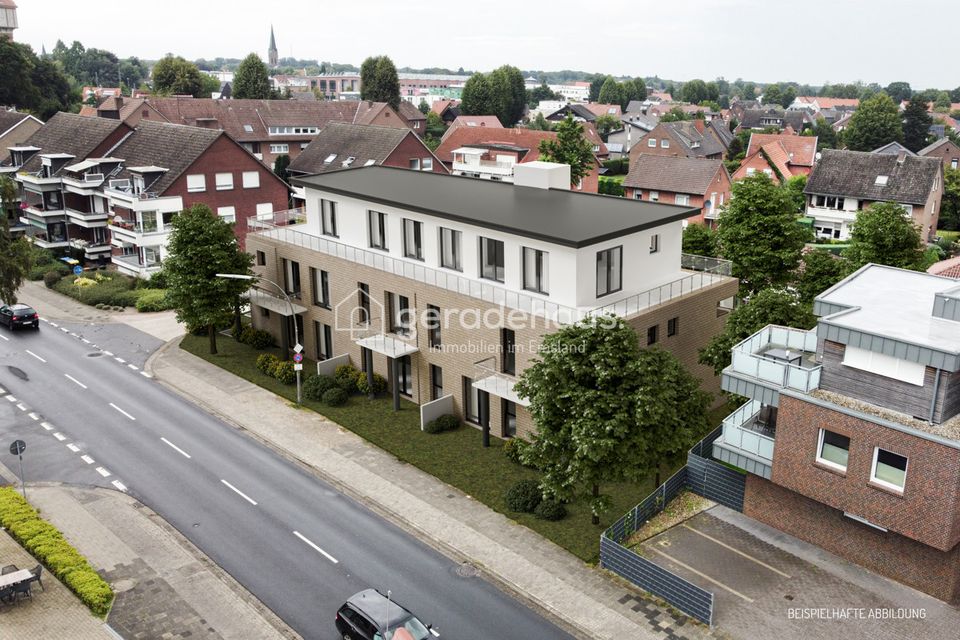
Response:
column 293, row 314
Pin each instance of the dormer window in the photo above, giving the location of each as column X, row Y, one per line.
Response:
column 330, row 158
column 881, row 181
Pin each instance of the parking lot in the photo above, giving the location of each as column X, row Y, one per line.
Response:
column 767, row 584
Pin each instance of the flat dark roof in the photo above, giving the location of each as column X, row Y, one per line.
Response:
column 562, row 217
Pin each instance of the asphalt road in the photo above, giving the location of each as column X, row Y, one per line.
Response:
column 289, row 538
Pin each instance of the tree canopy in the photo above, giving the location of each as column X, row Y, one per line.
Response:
column 899, row 91
column 606, row 411
column 31, row 84
column 883, row 234
column 570, row 147
column 176, row 76
column 820, row 271
column 201, row 245
column 916, row 125
column 950, row 206
column 876, row 122
column 251, row 79
column 15, row 256
column 700, row 240
column 379, row 81
column 500, row 93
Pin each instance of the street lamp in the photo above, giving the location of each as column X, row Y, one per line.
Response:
column 293, row 314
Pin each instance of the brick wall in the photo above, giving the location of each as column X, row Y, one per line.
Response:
column 412, row 147
column 928, row 510
column 922, row 567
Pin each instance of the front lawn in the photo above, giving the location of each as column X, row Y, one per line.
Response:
column 455, row 457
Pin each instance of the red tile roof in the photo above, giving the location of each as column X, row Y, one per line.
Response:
column 829, row 103
column 488, row 122
column 801, row 150
column 465, row 136
column 947, row 268
column 600, row 109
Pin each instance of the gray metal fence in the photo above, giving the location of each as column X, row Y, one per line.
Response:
column 713, row 480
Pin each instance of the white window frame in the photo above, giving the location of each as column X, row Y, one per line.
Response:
column 426, row 164
column 655, row 243
column 265, row 211
column 539, row 261
column 415, row 164
column 829, row 463
column 377, row 221
column 224, row 181
column 653, row 196
column 652, row 143
column 881, row 364
column 280, row 148
column 196, row 183
column 251, row 179
column 412, row 239
column 664, row 144
column 884, row 483
column 456, row 241
column 682, row 199
column 328, row 218
column 227, row 213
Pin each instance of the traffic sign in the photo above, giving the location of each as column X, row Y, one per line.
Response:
column 298, row 358
column 298, row 367
column 18, row 447
column 77, row 270
column 297, row 348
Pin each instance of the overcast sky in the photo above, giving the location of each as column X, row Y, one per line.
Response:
column 811, row 41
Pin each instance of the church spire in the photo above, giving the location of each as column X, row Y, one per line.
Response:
column 272, row 53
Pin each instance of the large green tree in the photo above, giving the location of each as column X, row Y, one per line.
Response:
column 875, row 123
column 176, row 76
column 15, row 256
column 509, row 94
column 768, row 306
column 379, row 81
column 899, row 91
column 950, row 206
column 884, row 234
column 826, row 136
column 611, row 92
column 916, row 125
column 700, row 240
column 251, row 79
column 820, row 271
column 201, row 245
column 570, row 147
column 32, row 84
column 605, row 411
column 760, row 234
column 476, row 98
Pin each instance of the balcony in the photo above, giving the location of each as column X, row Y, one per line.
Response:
column 86, row 219
column 90, row 249
column 85, row 184
column 772, row 359
column 488, row 377
column 133, row 266
column 138, row 234
column 489, row 167
column 747, row 440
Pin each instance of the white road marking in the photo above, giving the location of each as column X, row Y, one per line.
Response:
column 737, row 551
column 2, row 391
column 240, row 493
column 122, row 411
column 146, row 375
column 121, row 360
column 59, row 436
column 47, row 426
column 134, row 367
column 84, row 341
column 73, row 448
column 11, row 399
column 87, row 459
column 35, row 355
column 107, row 353
column 53, row 324
column 119, row 485
column 74, row 335
column 22, row 407
column 103, row 472
column 699, row 573
column 33, row 416
column 64, row 329
column 176, row 448
column 5, row 338
column 70, row 377
column 315, row 547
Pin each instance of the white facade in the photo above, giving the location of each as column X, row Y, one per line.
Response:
column 572, row 92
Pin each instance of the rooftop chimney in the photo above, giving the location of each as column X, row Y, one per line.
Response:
column 901, row 156
column 698, row 123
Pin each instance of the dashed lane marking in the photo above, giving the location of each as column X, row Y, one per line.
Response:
column 59, row 436
column 103, row 472
column 119, row 485
column 35, row 356
column 70, row 377
column 47, row 426
column 87, row 459
column 133, row 366
column 315, row 547
column 33, row 416
column 73, row 448
column 176, row 448
column 122, row 411
column 240, row 493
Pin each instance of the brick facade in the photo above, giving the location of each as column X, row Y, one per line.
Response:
column 412, row 147
column 949, row 154
column 709, row 202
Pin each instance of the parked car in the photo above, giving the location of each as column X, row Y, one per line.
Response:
column 370, row 615
column 19, row 315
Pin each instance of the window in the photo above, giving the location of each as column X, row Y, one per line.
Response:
column 953, row 163
column 508, row 345
column 261, row 259
column 450, row 249
column 363, row 292
column 265, row 211
column 415, row 164
column 471, row 401
column 328, row 217
column 432, row 320
column 889, row 469
column 673, row 326
column 405, row 376
column 829, row 202
column 291, row 277
column 881, row 180
column 224, row 181
column 330, row 158
column 652, row 143
column 682, row 198
column 664, row 144
column 251, row 179
column 377, row 223
column 833, row 449
column 436, row 382
column 638, row 195
column 320, row 283
column 884, row 365
column 412, row 239
column 227, row 214
column 491, row 259
column 509, row 411
column 655, row 243
column 654, row 196
column 398, row 310
column 426, row 164
column 280, row 148
column 653, row 334
column 196, row 183
column 323, row 337
column 535, row 270
column 248, row 128
column 609, row 271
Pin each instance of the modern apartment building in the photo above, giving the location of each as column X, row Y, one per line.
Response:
column 449, row 283
column 851, row 434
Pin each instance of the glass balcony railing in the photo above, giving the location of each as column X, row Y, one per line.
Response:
column 742, row 430
column 779, row 356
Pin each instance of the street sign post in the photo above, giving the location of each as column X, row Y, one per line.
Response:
column 77, row 270
column 298, row 367
column 298, row 358
column 297, row 348
column 17, row 447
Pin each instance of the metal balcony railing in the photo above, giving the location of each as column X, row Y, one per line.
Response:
column 780, row 356
column 737, row 432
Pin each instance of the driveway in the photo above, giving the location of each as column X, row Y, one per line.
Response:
column 767, row 584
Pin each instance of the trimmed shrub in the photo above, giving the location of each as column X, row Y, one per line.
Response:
column 316, row 386
column 443, row 423
column 512, row 448
column 379, row 383
column 266, row 363
column 524, row 496
column 51, row 278
column 152, row 300
column 550, row 510
column 259, row 339
column 346, row 377
column 284, row 372
column 335, row 397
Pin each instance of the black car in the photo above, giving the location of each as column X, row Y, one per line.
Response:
column 19, row 315
column 370, row 615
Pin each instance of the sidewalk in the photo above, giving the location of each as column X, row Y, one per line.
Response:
column 582, row 599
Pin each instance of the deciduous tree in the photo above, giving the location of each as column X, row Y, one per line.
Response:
column 379, row 81
column 875, row 123
column 899, row 91
column 700, row 240
column 251, row 79
column 610, row 92
column 883, row 234
column 820, row 271
column 174, row 75
column 950, row 206
column 695, row 91
column 570, row 147
column 15, row 258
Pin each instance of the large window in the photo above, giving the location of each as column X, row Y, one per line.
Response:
column 412, row 239
column 535, row 270
column 251, row 179
column 828, row 202
column 491, row 259
column 363, row 302
column 227, row 214
column 833, row 450
column 432, row 320
column 653, row 334
column 320, row 283
column 405, row 376
column 436, row 382
column 323, row 337
column 471, row 401
column 609, row 271
column 655, row 243
column 224, row 181
column 291, row 277
column 377, row 223
column 889, row 469
column 682, row 198
column 508, row 345
column 328, row 217
column 398, row 308
column 450, row 249
column 196, row 183
column 884, row 365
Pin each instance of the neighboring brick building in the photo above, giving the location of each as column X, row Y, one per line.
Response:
column 851, row 436
column 779, row 156
column 378, row 241
column 491, row 122
column 15, row 129
column 945, row 149
column 687, row 139
column 689, row 182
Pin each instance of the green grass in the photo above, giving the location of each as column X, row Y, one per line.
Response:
column 952, row 236
column 617, row 178
column 455, row 457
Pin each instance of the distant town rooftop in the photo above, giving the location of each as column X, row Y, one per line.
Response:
column 558, row 216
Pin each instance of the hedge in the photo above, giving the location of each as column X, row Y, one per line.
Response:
column 149, row 300
column 46, row 544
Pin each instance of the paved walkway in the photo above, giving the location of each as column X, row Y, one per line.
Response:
column 583, row 599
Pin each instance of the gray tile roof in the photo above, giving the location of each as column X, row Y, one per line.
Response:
column 673, row 173
column 854, row 174
column 9, row 119
column 559, row 216
column 709, row 141
column 359, row 141
column 71, row 134
column 171, row 146
column 933, row 146
column 894, row 148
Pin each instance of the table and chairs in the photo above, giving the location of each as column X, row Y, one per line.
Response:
column 15, row 583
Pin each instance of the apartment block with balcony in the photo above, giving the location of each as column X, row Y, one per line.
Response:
column 447, row 285
column 851, row 432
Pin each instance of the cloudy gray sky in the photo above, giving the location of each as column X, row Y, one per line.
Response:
column 812, row 41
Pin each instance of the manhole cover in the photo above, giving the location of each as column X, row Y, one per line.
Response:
column 20, row 373
column 95, row 354
column 788, row 597
column 467, row 570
